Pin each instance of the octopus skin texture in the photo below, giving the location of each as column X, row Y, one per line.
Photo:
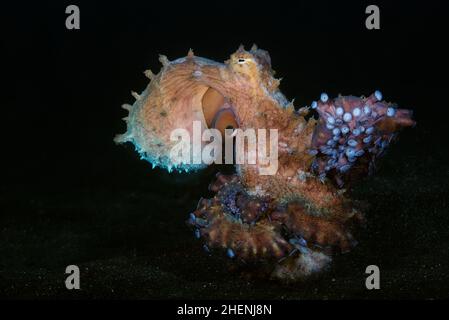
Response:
column 296, row 220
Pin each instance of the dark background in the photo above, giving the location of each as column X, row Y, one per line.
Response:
column 69, row 195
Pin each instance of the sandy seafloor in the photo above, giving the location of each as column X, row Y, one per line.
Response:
column 126, row 231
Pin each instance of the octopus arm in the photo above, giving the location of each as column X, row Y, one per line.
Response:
column 353, row 133
column 237, row 222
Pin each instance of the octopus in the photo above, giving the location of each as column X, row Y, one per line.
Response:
column 296, row 220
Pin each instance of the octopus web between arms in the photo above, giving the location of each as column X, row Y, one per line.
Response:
column 297, row 219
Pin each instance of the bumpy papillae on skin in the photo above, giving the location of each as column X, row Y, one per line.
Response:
column 262, row 228
column 298, row 217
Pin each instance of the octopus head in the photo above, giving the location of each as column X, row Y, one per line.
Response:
column 244, row 62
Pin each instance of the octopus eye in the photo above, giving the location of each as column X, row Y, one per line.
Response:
column 241, row 61
column 314, row 105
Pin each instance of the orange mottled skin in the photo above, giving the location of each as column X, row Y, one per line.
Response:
column 272, row 209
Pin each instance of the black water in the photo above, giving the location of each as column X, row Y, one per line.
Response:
column 68, row 195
